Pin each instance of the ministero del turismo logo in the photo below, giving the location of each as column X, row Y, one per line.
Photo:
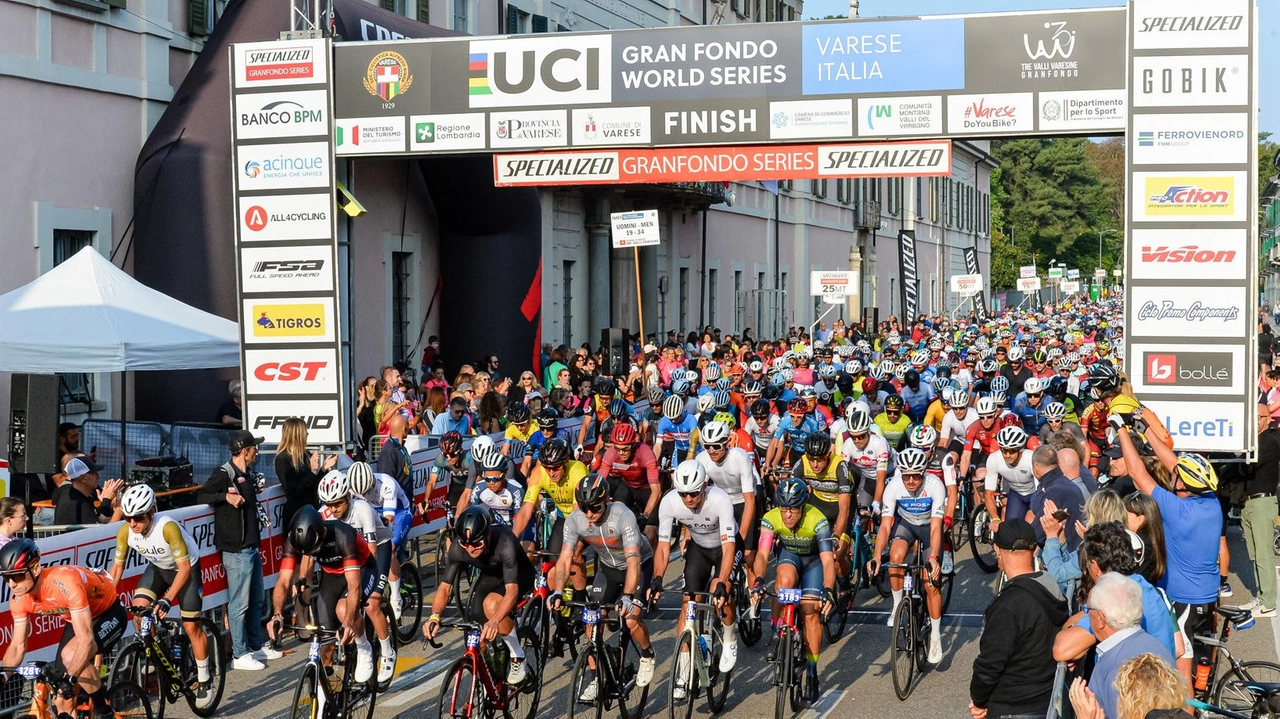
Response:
column 1189, row 196
column 295, row 320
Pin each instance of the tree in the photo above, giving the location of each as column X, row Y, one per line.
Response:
column 1108, row 157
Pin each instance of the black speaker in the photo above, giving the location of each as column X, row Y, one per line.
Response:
column 870, row 319
column 33, row 423
column 614, row 341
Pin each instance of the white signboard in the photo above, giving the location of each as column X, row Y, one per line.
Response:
column 635, row 229
column 966, row 285
column 1099, row 272
column 1073, row 274
column 1070, row 286
column 1027, row 271
column 1055, row 273
column 1029, row 284
column 833, row 283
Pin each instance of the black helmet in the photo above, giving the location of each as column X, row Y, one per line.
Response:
column 845, row 384
column 1103, row 377
column 306, row 530
column 817, row 444
column 554, row 453
column 912, row 378
column 472, row 526
column 1058, row 385
column 771, row 392
column 603, row 385
column 761, row 409
column 519, row 413
column 618, row 408
column 894, row 401
column 592, row 492
column 792, row 492
column 548, row 418
column 20, row 555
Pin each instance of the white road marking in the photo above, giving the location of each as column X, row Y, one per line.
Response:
column 403, row 697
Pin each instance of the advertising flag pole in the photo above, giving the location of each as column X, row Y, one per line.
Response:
column 639, row 296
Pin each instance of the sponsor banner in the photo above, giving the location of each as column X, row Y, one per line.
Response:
column 1073, row 274
column 1176, row 312
column 1191, row 81
column 1056, row 50
column 991, row 114
column 541, row 128
column 460, row 131
column 909, row 272
column 265, row 418
column 810, row 119
column 369, row 136
column 890, row 116
column 972, row 267
column 690, row 64
column 635, row 229
column 1179, row 24
column 270, row 64
column 283, row 166
column 923, row 158
column 966, row 285
column 1217, row 254
column 1028, row 284
column 282, row 114
column 283, row 321
column 286, row 217
column 611, row 126
column 1082, row 110
column 711, row 122
column 526, row 70
column 1170, row 368
column 307, row 268
column 1204, row 426
column 1069, row 287
column 1191, row 139
column 1204, row 197
column 1027, row 271
column 288, row 371
column 856, row 58
column 833, row 283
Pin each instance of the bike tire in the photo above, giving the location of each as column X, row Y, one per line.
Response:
column 902, row 650
column 676, row 708
column 785, row 674
column 838, row 619
column 717, row 681
column 362, row 699
column 979, row 542
column 750, row 629
column 583, row 675
column 948, row 583
column 1231, row 694
column 440, row 561
column 631, row 698
column 129, row 701
column 460, row 693
column 132, row 665
column 522, row 700
column 410, row 616
column 217, row 670
column 305, row 699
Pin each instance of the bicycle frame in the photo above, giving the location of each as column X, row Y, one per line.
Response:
column 494, row 689
column 694, row 623
column 155, row 639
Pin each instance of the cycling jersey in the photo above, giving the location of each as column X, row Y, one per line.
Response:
column 936, row 413
column 1071, row 427
column 513, row 432
column 342, row 550
column 560, row 492
column 614, row 538
column 893, row 431
column 537, row 439
column 810, row 537
column 387, row 495
column 793, row 435
column 869, row 461
column 503, row 504
column 64, row 589
column 639, row 473
column 736, row 474
column 827, row 486
column 710, row 526
column 942, row 466
column 679, row 433
column 919, row 507
column 503, row 559
column 956, row 429
column 982, row 438
column 1016, row 478
column 917, row 400
column 164, row 545
column 459, row 475
column 362, row 517
column 1032, row 418
column 762, row 434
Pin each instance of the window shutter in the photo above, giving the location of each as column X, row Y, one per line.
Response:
column 561, row 28
column 513, row 19
column 539, row 23
column 388, row 5
column 424, row 11
column 197, row 16
column 120, row 4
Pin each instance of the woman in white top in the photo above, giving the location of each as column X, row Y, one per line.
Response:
column 13, row 519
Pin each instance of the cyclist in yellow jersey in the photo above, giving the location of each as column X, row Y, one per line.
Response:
column 172, row 575
column 893, row 422
column 937, row 412
column 521, row 425
column 558, row 476
column 830, row 491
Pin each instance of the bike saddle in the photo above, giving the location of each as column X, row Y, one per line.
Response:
column 1235, row 616
column 1265, row 689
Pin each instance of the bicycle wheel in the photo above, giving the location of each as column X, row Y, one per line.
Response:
column 717, row 681
column 522, row 699
column 686, row 646
column 1232, row 691
column 462, row 589
column 749, row 628
column 131, row 666
column 410, row 604
column 440, row 561
column 583, row 676
column 903, row 649
column 305, row 699
column 631, row 698
column 947, row 583
column 785, row 674
column 362, row 698
column 217, row 670
column 128, row 701
column 839, row 616
column 535, row 617
column 984, row 552
column 460, row 692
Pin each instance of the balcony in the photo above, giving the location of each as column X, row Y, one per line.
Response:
column 676, row 196
column 866, row 216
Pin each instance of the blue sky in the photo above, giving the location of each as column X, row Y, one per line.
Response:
column 1268, row 35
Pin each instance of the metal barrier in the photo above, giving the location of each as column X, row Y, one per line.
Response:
column 375, row 447
column 142, row 440
column 205, row 446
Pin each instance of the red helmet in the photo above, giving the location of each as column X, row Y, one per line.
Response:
column 799, row 405
column 869, row 385
column 624, row 433
column 451, row 444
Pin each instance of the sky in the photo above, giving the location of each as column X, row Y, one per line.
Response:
column 1268, row 34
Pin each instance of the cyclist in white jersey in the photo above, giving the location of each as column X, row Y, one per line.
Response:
column 955, row 425
column 761, row 426
column 1010, row 474
column 383, row 491
column 914, row 505
column 731, row 469
column 867, row 454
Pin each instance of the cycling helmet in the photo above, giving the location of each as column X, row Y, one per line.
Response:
column 712, row 372
column 473, row 525
column 1055, row 411
column 912, row 460
column 306, row 530
column 721, row 399
column 603, row 385
column 959, row 398
column 923, row 436
column 1039, row 356
column 1011, row 438
column 798, row 406
column 752, row 387
column 673, row 407
column 19, row 555
column 1064, row 363
column 716, row 432
column 761, row 409
column 827, row 371
column 808, row 392
column 706, row 402
column 894, row 401
column 756, row 366
column 817, row 444
column 519, row 413
column 771, row 392
column 788, row 374
column 986, row 407
column 656, row 395
column 1000, row 384
column 1035, row 385
column 940, row 384
column 138, row 500
column 690, row 476
column 360, row 476
column 592, row 493
column 942, row 369
column 494, row 462
column 1103, row 378
column 481, row 447
column 554, row 453
column 548, row 418
column 870, row 385
column 618, row 408
column 334, row 486
column 723, row 384
column 936, row 345
column 853, row 366
column 792, row 493
column 920, row 358
column 1057, row 386
column 988, row 365
column 680, row 387
column 999, row 398
column 451, row 444
column 777, row 379
column 1196, row 473
column 912, row 378
column 691, row 376
column 859, row 421
column 624, row 433
column 1016, row 354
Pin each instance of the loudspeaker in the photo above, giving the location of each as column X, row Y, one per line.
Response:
column 33, row 423
column 870, row 319
column 614, row 341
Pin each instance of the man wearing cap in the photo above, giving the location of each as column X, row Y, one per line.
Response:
column 74, row 501
column 1014, row 671
column 233, row 494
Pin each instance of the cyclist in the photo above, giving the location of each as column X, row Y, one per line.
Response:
column 624, row 566
column 893, row 423
column 830, row 490
column 980, row 439
column 761, row 425
column 805, row 558
column 86, row 601
column 557, row 476
column 380, row 490
column 501, row 494
column 505, row 575
column 867, row 454
column 1015, row 371
column 172, row 575
column 339, row 504
column 937, row 411
column 548, row 429
column 955, row 426
column 730, row 468
column 677, row 434
column 1009, row 473
column 913, row 511
column 710, row 558
column 519, row 424
column 1029, row 406
column 916, row 394
column 1055, row 420
column 631, row 469
column 787, row 444
column 454, row 464
column 942, row 467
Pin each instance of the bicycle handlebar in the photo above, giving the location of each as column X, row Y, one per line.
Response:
column 462, row 625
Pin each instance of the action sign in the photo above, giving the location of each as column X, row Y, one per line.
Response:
column 1027, row 271
column 966, row 285
column 1029, row 284
column 635, row 229
column 833, row 283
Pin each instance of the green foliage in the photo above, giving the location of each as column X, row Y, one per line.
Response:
column 1267, row 152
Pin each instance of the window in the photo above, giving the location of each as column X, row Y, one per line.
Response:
column 539, row 23
column 739, row 307
column 760, row 303
column 684, row 297
column 566, row 302
column 517, row 21
column 401, row 277
column 784, row 185
column 461, row 15
column 76, row 386
column 895, row 196
column 819, row 188
column 712, row 295
column 875, row 189
column 844, row 190
column 68, row 242
column 919, row 198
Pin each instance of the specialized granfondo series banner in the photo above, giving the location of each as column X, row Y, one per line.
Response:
column 971, row 266
column 909, row 275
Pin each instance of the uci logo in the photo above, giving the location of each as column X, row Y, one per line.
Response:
column 524, row 71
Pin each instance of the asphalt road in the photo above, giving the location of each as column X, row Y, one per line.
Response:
column 855, row 673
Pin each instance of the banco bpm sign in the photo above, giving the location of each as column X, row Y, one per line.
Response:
column 777, row 101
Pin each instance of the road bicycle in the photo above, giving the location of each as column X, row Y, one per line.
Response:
column 981, row 538
column 612, row 665
column 789, row 660
column 909, row 648
column 316, row 697
column 1231, row 689
column 555, row 631
column 409, row 617
column 160, row 660
column 476, row 683
column 862, row 544
column 696, row 664
column 126, row 699
column 750, row 627
column 467, row 574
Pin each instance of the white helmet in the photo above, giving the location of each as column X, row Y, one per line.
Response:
column 1035, row 385
column 788, row 374
column 691, row 376
column 923, row 436
column 706, row 402
column 986, row 407
column 756, row 366
column 360, row 477
column 712, row 372
column 959, row 398
column 138, row 500
column 715, row 433
column 1055, row 411
column 481, row 447
column 673, row 407
column 912, row 460
column 1000, row 384
column 1015, row 354
column 920, row 358
column 1011, row 438
column 334, row 486
column 690, row 476
column 859, row 420
column 853, row 366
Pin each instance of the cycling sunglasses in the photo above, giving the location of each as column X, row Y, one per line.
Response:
column 716, row 446
column 698, row 493
column 860, row 437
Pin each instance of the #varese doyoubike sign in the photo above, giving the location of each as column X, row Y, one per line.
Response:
column 795, row 100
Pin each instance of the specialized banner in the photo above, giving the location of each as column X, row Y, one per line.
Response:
column 909, row 276
column 971, row 265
